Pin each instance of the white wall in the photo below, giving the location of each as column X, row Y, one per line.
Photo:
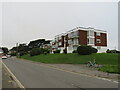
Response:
column 102, row 49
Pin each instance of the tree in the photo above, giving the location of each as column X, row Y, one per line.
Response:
column 13, row 49
column 35, row 51
column 23, row 48
column 38, row 43
column 5, row 50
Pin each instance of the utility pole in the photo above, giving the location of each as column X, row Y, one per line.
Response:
column 17, row 49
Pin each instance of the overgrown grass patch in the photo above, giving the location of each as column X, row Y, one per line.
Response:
column 110, row 69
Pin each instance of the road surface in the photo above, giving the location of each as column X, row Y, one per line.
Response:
column 6, row 80
column 38, row 75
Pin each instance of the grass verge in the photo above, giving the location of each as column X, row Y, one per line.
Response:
column 108, row 60
column 110, row 69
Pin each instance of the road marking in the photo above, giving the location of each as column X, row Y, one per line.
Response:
column 17, row 81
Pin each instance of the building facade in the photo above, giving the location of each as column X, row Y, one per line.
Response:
column 81, row 36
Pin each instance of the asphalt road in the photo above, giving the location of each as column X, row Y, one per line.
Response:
column 38, row 75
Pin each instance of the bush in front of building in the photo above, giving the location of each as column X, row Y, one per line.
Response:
column 112, row 51
column 22, row 53
column 38, row 51
column 56, row 51
column 44, row 50
column 86, row 50
column 75, row 51
column 35, row 51
column 94, row 50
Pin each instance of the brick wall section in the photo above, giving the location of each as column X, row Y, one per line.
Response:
column 103, row 38
column 82, row 37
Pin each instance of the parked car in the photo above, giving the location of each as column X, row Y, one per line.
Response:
column 4, row 57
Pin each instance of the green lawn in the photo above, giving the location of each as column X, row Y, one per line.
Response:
column 109, row 60
column 110, row 69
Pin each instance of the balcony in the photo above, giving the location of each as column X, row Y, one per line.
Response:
column 73, row 42
column 73, row 34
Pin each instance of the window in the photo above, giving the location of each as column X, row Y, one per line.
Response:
column 70, row 35
column 98, row 41
column 87, row 33
column 75, row 41
column 91, row 33
column 98, row 33
column 60, row 38
column 60, row 43
column 75, row 33
column 69, row 42
column 90, row 40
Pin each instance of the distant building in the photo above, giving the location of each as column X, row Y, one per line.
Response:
column 81, row 36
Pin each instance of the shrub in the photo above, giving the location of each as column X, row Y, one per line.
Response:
column 41, row 50
column 65, row 51
column 22, row 53
column 94, row 50
column 112, row 51
column 44, row 50
column 35, row 51
column 75, row 51
column 45, row 53
column 84, row 50
column 108, row 51
column 57, row 51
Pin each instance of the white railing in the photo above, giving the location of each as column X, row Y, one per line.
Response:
column 73, row 34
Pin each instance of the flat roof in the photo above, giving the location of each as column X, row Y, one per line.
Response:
column 81, row 28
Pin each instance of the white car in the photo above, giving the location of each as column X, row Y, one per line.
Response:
column 4, row 57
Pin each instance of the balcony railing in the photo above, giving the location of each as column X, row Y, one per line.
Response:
column 73, row 34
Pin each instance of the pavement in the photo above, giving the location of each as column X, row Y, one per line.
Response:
column 6, row 80
column 39, row 75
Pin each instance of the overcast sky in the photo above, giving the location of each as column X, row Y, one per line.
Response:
column 25, row 21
